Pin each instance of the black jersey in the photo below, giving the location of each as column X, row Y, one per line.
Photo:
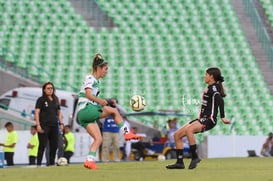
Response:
column 211, row 101
column 48, row 111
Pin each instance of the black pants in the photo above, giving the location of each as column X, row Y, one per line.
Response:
column 139, row 146
column 60, row 146
column 50, row 134
column 9, row 158
column 60, row 149
column 68, row 155
column 32, row 160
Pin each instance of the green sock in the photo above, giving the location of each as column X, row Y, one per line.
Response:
column 120, row 124
column 91, row 153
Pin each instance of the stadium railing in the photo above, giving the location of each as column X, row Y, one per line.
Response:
column 9, row 62
column 24, row 125
column 260, row 29
column 95, row 12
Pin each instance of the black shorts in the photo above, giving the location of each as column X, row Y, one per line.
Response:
column 206, row 122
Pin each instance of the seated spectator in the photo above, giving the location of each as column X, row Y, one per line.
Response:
column 172, row 129
column 140, row 146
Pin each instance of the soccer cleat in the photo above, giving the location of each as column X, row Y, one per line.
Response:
column 90, row 165
column 131, row 136
column 176, row 166
column 194, row 163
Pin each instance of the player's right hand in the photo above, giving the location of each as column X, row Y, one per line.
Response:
column 39, row 129
column 103, row 102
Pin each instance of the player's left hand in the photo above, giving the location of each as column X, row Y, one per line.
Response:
column 226, row 121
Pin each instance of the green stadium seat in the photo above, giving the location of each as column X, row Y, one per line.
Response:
column 162, row 47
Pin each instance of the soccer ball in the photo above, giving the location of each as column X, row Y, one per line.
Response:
column 161, row 157
column 137, row 103
column 62, row 161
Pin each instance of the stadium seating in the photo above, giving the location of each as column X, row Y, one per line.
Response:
column 158, row 48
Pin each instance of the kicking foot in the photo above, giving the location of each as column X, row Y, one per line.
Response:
column 194, row 163
column 176, row 166
column 90, row 165
column 131, row 136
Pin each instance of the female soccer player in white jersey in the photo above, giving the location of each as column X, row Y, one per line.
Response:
column 212, row 100
column 91, row 108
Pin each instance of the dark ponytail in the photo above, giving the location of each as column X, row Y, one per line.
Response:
column 216, row 73
column 98, row 61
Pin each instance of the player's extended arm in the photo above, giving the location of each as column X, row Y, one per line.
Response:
column 88, row 93
column 220, row 102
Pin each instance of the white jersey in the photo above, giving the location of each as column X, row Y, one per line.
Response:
column 89, row 82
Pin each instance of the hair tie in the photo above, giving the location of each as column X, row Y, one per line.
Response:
column 221, row 79
column 99, row 57
column 102, row 63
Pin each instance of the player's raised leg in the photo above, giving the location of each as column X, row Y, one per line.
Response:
column 110, row 111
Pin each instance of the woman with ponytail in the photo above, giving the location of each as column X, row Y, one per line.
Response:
column 212, row 100
column 91, row 108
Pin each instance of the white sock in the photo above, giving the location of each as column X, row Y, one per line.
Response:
column 90, row 158
column 124, row 128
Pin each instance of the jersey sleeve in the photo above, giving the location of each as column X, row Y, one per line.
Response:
column 38, row 104
column 88, row 82
column 220, row 102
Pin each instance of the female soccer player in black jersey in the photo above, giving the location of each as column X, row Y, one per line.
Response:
column 212, row 99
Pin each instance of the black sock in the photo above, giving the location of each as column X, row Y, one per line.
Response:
column 179, row 155
column 193, row 150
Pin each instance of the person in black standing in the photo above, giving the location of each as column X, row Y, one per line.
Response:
column 212, row 100
column 48, row 118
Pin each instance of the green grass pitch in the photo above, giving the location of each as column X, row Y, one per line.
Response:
column 221, row 169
